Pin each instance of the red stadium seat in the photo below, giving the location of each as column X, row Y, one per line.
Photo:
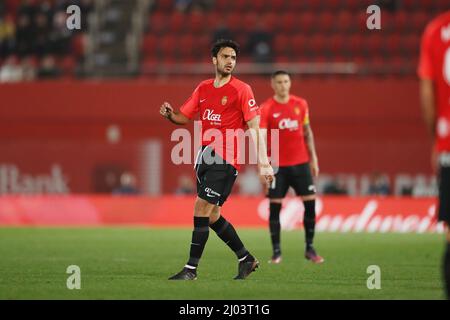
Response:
column 356, row 44
column 270, row 20
column 196, row 23
column 299, row 45
column 186, row 47
column 307, row 21
column 158, row 23
column 164, row 6
column 419, row 21
column 282, row 45
column 336, row 45
column 288, row 22
column 374, row 44
column 149, row 46
column 167, row 46
column 317, row 44
column 344, row 22
column 401, row 21
column 326, row 22
column 249, row 21
column 176, row 22
column 411, row 45
column 259, row 5
column 392, row 44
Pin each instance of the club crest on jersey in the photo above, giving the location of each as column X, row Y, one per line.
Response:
column 224, row 100
column 297, row 110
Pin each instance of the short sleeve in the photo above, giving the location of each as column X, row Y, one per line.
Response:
column 192, row 105
column 264, row 122
column 306, row 116
column 425, row 68
column 249, row 107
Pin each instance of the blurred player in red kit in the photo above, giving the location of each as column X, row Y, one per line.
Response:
column 297, row 163
column 434, row 73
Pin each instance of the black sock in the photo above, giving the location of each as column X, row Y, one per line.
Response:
column 274, row 227
column 447, row 270
column 309, row 222
column 199, row 238
column 227, row 233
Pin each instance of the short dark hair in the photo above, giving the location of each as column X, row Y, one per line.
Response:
column 280, row 72
column 224, row 43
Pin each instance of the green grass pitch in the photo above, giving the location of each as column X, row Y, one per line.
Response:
column 134, row 263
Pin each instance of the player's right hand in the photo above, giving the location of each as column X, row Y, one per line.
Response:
column 166, row 110
column 266, row 171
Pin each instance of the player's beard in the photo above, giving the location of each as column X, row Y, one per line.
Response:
column 222, row 72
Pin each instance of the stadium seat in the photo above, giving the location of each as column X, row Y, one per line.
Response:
column 288, row 22
column 307, row 22
column 392, row 44
column 298, row 45
column 177, row 22
column 326, row 22
column 336, row 45
column 158, row 23
column 344, row 22
column 282, row 46
column 196, row 23
column 149, row 46
column 249, row 21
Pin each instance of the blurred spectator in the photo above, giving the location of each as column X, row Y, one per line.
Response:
column 379, row 185
column 249, row 182
column 28, row 66
column 11, row 70
column 7, row 35
column 60, row 36
column 336, row 186
column 48, row 68
column 25, row 35
column 42, row 31
column 185, row 185
column 260, row 44
column 127, row 184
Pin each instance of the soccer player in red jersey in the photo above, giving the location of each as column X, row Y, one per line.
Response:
column 225, row 104
column 297, row 158
column 434, row 73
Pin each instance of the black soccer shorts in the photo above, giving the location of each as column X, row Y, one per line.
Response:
column 215, row 177
column 298, row 177
column 444, row 194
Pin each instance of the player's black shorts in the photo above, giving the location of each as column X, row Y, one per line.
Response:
column 298, row 177
column 444, row 194
column 215, row 177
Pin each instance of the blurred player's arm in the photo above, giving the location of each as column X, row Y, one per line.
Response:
column 428, row 106
column 167, row 112
column 265, row 168
column 309, row 139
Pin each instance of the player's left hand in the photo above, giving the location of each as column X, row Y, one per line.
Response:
column 266, row 171
column 314, row 167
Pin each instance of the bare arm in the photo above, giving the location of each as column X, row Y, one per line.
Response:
column 428, row 106
column 167, row 112
column 309, row 139
column 429, row 114
column 263, row 161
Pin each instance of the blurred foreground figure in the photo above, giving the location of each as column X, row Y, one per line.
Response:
column 434, row 72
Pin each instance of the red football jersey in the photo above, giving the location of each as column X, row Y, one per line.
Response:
column 289, row 118
column 225, row 109
column 435, row 65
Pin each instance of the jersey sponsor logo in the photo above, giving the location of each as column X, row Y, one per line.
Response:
column 252, row 104
column 312, row 188
column 211, row 116
column 288, row 124
column 211, row 193
column 202, row 100
column 276, row 115
column 224, row 100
